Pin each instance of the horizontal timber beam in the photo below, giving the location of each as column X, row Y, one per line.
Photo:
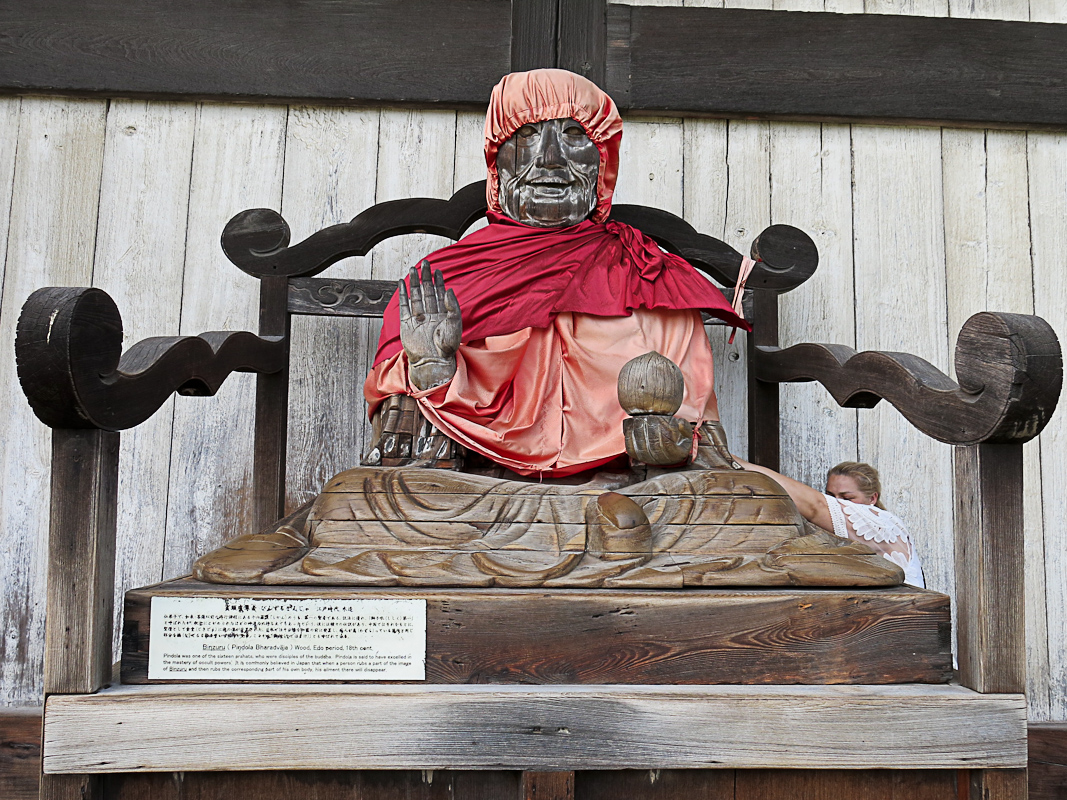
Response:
column 449, row 53
column 144, row 728
column 849, row 67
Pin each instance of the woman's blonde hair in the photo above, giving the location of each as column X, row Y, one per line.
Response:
column 865, row 476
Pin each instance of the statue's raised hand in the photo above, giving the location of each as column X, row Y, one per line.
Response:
column 430, row 327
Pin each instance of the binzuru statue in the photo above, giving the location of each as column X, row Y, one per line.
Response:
column 543, row 404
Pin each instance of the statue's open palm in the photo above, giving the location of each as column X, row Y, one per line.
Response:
column 430, row 323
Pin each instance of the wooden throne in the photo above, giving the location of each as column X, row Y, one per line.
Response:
column 81, row 384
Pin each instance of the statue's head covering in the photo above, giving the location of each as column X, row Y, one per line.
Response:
column 522, row 98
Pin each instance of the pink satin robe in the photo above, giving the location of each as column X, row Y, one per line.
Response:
column 544, row 400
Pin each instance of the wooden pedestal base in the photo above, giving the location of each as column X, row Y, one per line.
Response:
column 725, row 636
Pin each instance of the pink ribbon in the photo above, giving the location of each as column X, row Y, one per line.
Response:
column 739, row 290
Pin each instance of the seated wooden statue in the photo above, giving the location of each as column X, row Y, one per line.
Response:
column 543, row 404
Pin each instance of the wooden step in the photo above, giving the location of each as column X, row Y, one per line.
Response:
column 234, row 727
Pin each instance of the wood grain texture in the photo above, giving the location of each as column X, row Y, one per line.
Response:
column 999, row 784
column 1047, row 158
column 989, row 567
column 81, row 560
column 20, row 752
column 1047, row 764
column 534, row 34
column 55, row 188
column 582, row 46
column 843, row 66
column 705, row 189
column 855, row 785
column 275, row 50
column 655, row 784
column 316, row 785
column 547, row 786
column 897, row 188
column 237, row 161
column 811, row 186
column 416, row 158
column 331, row 162
column 138, row 728
column 987, row 234
column 139, row 261
column 702, row 636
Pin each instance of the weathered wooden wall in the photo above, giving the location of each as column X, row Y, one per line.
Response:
column 918, row 228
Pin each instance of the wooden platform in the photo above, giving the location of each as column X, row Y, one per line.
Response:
column 698, row 637
column 227, row 727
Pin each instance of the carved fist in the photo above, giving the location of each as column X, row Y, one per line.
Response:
column 430, row 327
column 658, row 440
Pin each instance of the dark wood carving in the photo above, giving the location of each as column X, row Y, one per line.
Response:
column 339, row 297
column 257, row 240
column 805, row 65
column 68, row 349
column 1009, row 367
column 747, row 636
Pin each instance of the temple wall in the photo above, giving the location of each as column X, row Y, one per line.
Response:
column 918, row 227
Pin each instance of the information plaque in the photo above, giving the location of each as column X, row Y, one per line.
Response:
column 309, row 639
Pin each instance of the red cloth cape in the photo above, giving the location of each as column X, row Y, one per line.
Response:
column 509, row 276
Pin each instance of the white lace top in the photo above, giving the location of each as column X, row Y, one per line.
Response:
column 881, row 530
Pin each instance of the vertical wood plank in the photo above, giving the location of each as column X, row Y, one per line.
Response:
column 81, row 560
column 548, row 786
column 533, row 34
column 899, row 242
column 236, row 164
column 470, row 154
column 139, row 261
column 989, row 567
column 416, row 158
column 9, row 135
column 583, row 38
column 1047, row 156
column 705, row 186
column 331, row 162
column 50, row 242
column 998, row 784
column 987, row 238
column 748, row 212
column 71, row 787
column 650, row 164
column 811, row 188
column 1047, row 164
column 881, row 784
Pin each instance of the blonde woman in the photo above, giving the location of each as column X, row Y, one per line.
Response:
column 851, row 508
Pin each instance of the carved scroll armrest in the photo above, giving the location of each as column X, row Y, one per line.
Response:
column 68, row 349
column 1009, row 367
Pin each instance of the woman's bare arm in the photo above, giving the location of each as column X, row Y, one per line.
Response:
column 810, row 502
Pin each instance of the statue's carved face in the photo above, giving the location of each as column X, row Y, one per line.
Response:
column 548, row 172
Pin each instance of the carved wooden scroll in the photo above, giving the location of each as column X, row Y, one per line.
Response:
column 1009, row 368
column 68, row 349
column 257, row 240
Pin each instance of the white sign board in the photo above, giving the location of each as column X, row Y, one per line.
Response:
column 241, row 638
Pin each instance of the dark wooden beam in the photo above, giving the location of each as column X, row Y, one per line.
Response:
column 685, row 61
column 381, row 51
column 583, row 38
column 793, row 65
column 534, row 26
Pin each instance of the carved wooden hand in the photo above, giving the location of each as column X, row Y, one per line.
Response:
column 430, row 327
